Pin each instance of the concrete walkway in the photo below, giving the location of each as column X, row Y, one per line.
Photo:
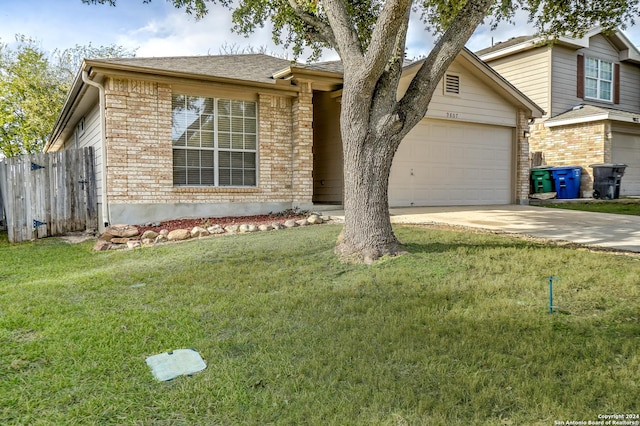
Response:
column 621, row 232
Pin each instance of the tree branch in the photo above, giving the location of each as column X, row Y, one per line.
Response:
column 325, row 32
column 348, row 43
column 394, row 18
column 415, row 102
column 385, row 95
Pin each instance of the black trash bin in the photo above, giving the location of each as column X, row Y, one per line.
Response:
column 606, row 180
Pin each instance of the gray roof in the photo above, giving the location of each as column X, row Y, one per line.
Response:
column 504, row 44
column 250, row 67
column 329, row 66
column 587, row 111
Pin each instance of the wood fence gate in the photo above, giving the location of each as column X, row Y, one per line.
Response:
column 48, row 194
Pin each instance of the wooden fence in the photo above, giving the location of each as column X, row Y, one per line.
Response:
column 48, row 194
column 3, row 221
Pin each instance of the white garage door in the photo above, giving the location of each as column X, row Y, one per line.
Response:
column 442, row 163
column 626, row 150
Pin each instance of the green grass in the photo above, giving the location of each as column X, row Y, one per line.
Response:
column 455, row 332
column 631, row 207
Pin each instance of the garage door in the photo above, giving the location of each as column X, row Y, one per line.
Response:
column 442, row 163
column 626, row 150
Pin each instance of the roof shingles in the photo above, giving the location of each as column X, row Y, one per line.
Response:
column 250, row 67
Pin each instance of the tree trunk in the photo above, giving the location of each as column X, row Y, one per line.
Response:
column 367, row 233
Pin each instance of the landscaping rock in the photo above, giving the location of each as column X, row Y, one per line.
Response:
column 105, row 237
column 290, row 223
column 302, row 222
column 215, row 229
column 179, row 235
column 164, row 232
column 133, row 244
column 277, row 225
column 118, row 240
column 151, row 235
column 122, row 231
column 148, row 241
column 247, row 228
column 264, row 228
column 232, row 229
column 160, row 239
column 314, row 219
column 102, row 245
column 198, row 232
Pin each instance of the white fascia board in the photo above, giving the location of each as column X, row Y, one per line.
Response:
column 520, row 47
column 577, row 120
column 614, row 116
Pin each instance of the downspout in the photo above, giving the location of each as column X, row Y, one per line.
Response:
column 106, row 216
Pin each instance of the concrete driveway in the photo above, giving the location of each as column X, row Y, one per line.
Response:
column 621, row 232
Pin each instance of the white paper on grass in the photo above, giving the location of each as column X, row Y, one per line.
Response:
column 180, row 362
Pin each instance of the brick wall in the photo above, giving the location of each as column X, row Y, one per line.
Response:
column 573, row 145
column 302, row 182
column 522, row 159
column 140, row 158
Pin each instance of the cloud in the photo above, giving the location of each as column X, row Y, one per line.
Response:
column 178, row 34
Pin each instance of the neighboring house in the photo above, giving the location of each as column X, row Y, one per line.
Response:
column 251, row 134
column 590, row 90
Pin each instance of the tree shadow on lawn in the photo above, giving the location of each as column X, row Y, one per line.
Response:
column 454, row 246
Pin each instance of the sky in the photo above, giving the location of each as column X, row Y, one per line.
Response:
column 159, row 29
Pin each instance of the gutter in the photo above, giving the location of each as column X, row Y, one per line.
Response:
column 106, row 216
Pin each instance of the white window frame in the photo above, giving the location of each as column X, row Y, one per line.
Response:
column 599, row 80
column 217, row 149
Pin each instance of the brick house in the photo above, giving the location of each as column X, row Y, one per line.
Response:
column 590, row 90
column 226, row 135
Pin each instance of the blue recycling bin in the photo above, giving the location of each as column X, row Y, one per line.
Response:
column 567, row 181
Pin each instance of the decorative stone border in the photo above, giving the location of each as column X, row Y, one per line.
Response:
column 118, row 237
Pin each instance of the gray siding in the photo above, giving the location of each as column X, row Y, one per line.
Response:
column 564, row 71
column 629, row 87
column 529, row 72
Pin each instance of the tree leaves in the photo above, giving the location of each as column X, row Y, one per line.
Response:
column 33, row 88
column 30, row 98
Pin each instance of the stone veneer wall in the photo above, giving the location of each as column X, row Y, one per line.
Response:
column 140, row 158
column 573, row 145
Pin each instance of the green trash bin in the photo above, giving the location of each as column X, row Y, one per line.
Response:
column 541, row 180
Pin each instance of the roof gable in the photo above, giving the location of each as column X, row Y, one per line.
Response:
column 627, row 51
column 490, row 77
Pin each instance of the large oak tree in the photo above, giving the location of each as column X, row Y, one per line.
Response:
column 370, row 37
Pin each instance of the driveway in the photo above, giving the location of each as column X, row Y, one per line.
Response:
column 621, row 232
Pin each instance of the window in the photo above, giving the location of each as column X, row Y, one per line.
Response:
column 598, row 79
column 214, row 142
column 451, row 84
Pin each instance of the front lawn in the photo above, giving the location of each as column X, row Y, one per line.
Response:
column 457, row 331
column 631, row 207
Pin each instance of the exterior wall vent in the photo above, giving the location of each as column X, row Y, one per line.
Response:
column 452, row 84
